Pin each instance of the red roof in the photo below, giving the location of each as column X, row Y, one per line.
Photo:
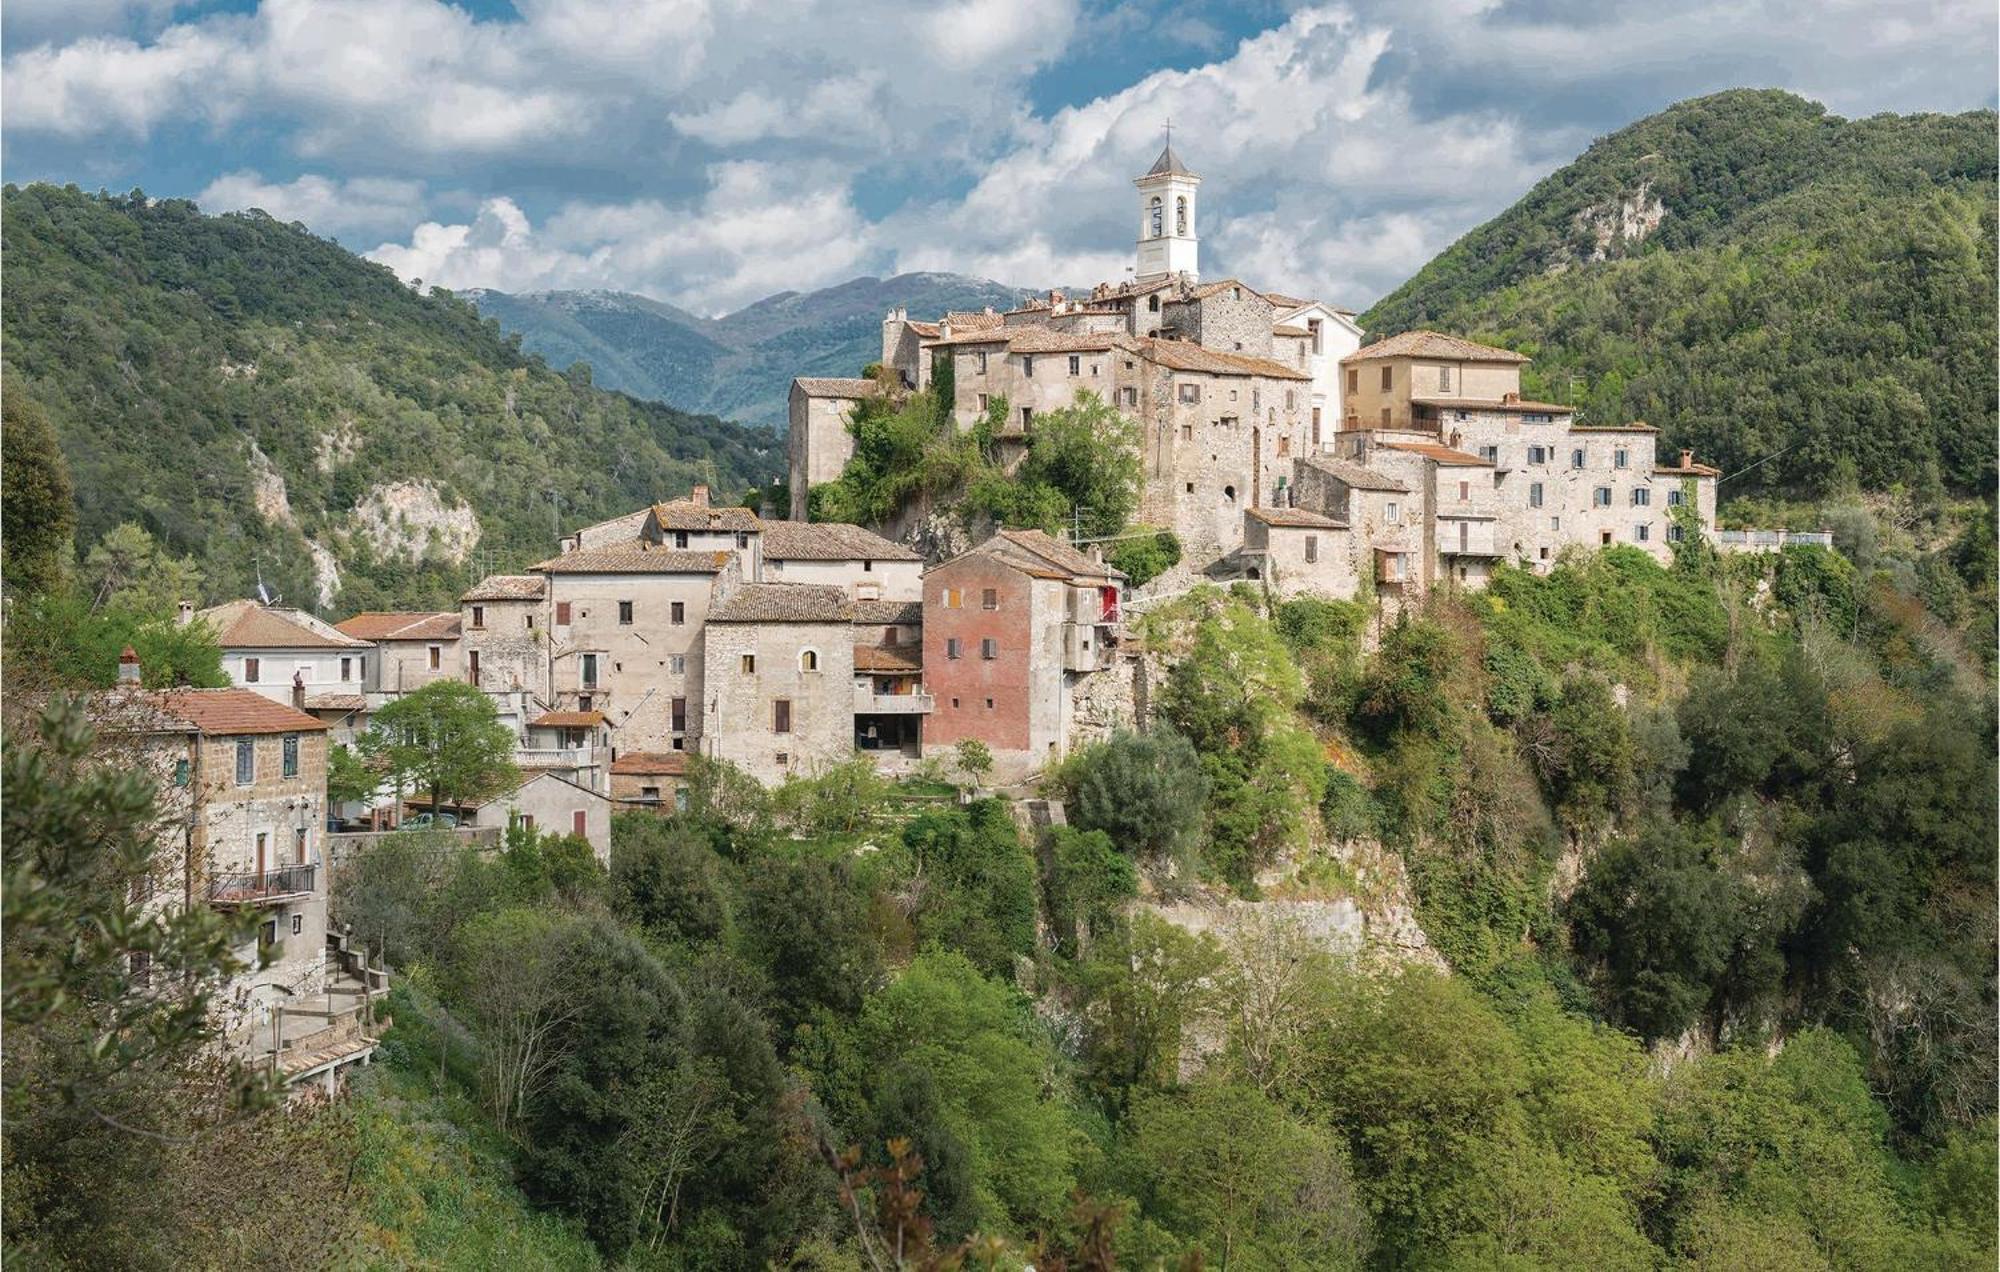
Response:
column 222, row 712
column 387, row 625
column 1441, row 454
column 650, row 764
column 567, row 720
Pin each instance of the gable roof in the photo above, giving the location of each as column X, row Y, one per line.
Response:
column 637, row 557
column 389, row 625
column 1495, row 404
column 1216, row 288
column 971, row 320
column 507, row 587
column 1035, row 338
column 1356, row 476
column 529, row 776
column 817, row 386
column 211, row 712
column 1181, row 355
column 830, row 541
column 1299, row 518
column 567, row 720
column 1053, row 555
column 784, row 603
column 650, row 764
column 249, row 625
column 1441, row 454
column 906, row 613
column 1433, row 344
column 900, row 658
column 699, row 514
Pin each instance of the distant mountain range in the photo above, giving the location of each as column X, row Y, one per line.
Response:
column 739, row 366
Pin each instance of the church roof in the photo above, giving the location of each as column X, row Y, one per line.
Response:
column 1169, row 164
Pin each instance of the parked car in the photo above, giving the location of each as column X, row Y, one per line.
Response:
column 429, row 821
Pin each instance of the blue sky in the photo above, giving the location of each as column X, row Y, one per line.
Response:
column 710, row 152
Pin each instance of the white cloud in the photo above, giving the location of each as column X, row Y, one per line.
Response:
column 352, row 207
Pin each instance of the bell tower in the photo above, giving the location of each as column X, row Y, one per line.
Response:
column 1167, row 242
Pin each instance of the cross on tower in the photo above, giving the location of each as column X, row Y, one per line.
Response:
column 1170, row 130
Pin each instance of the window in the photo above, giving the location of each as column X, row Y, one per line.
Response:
column 298, row 924
column 678, row 715
column 1156, row 214
column 1312, row 548
column 1619, row 457
column 1576, row 458
column 1642, row 532
column 1316, row 426
column 989, row 649
column 624, row 613
column 1388, row 379
column 677, row 613
column 436, row 657
column 1027, row 418
column 1544, row 553
column 1444, row 379
column 1256, row 400
column 1535, row 495
column 1130, row 396
column 577, row 823
column 677, row 664
column 809, row 660
column 1229, row 494
column 982, row 404
column 1676, row 497
column 246, row 761
column 1153, row 303
column 989, row 598
column 1391, row 513
column 472, row 665
column 531, row 622
column 1674, row 534
column 748, row 664
column 1385, row 417
column 952, row 647
column 590, row 671
column 1028, row 365
column 1538, row 454
column 1284, row 446
column 1075, row 364
column 982, row 362
column 954, row 598
column 478, row 618
column 1312, row 325
column 1604, row 537
column 781, row 716
column 1491, row 454
column 989, row 704
column 1555, row 523
column 742, row 538
column 562, row 613
column 290, row 752
column 1190, row 392
column 1180, row 216
column 1641, row 497
column 1601, row 497
column 680, row 538
column 1291, row 400
column 298, row 848
column 1465, row 492
column 347, row 667
column 1227, row 421
column 1354, row 381
column 250, row 669
column 181, row 773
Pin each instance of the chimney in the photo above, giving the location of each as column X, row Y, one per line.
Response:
column 699, row 495
column 299, row 690
column 186, row 614
column 1510, row 397
column 1687, row 459
column 128, row 667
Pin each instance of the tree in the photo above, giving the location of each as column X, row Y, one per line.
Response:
column 1149, row 985
column 128, row 571
column 516, row 978
column 1089, row 452
column 1085, row 879
column 445, row 738
column 1144, row 790
column 975, row 760
column 349, row 779
column 977, row 883
column 668, row 880
column 37, row 513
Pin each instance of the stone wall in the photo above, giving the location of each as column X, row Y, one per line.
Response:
column 740, row 707
column 642, row 666
column 512, row 640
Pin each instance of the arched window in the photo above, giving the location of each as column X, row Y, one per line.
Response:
column 1157, row 219
column 1180, row 216
column 1153, row 303
column 809, row 660
column 1229, row 494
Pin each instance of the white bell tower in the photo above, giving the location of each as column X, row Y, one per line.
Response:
column 1167, row 242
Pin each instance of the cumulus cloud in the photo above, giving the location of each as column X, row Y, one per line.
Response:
column 353, row 207
column 757, row 229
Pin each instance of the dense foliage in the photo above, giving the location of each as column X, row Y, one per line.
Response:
column 1818, row 292
column 186, row 360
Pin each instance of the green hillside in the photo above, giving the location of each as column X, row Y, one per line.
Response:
column 190, row 364
column 1814, row 286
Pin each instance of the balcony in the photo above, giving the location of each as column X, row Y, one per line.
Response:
column 1769, row 540
column 868, row 702
column 265, row 887
column 553, row 757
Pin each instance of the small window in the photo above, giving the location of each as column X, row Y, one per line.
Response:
column 1576, row 458
column 251, row 667
column 809, row 660
column 562, row 613
column 649, row 792
column 784, row 759
column 677, row 613
column 1130, row 396
column 1641, row 497
column 982, row 371
column 1601, row 497
column 1642, row 532
column 1385, row 417
column 1388, row 379
column 1229, row 494
column 346, row 669
column 749, row 664
column 1535, row 495
column 1190, row 392
column 1545, row 553
column 478, row 619
column 1465, row 492
column 246, row 761
column 982, row 404
column 589, row 674
column 298, row 924
column 472, row 665
column 1674, row 534
column 678, row 715
column 1153, row 303
column 680, row 538
column 1312, row 548
column 291, row 755
column 1187, row 430
column 1353, row 381
column 1392, row 514
column 989, row 704
column 624, row 613
column 781, row 716
column 1555, row 523
column 677, row 664
column 1491, row 454
column 436, row 657
column 181, row 772
column 1291, row 399
column 1075, row 364
column 1027, row 418
column 1538, row 454
column 1444, row 379
column 989, row 598
column 742, row 538
column 1028, row 365
column 531, row 622
column 954, row 597
column 1620, row 457
column 989, row 649
column 1284, row 446
column 952, row 647
column 1675, row 498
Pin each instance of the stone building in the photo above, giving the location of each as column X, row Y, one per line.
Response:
column 411, row 649
column 860, row 562
column 819, row 444
column 779, row 672
column 1010, row 629
column 276, row 651
column 1294, row 551
column 554, row 805
column 650, row 781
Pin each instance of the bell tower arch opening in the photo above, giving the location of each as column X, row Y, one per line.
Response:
column 1168, row 245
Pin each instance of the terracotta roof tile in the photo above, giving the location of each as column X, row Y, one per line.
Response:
column 1297, row 518
column 1054, row 552
column 1037, row 339
column 1357, row 476
column 249, row 625
column 901, row 612
column 1441, row 454
column 1636, row 426
column 650, row 764
column 508, row 587
column 898, row 658
column 829, row 541
column 1221, row 285
column 1494, row 404
column 635, row 558
column 386, row 625
column 336, row 702
column 1433, row 344
column 1293, row 332
column 567, row 720
column 691, row 514
column 1686, row 470
column 1180, row 355
column 814, row 386
column 784, row 603
column 213, row 712
column 963, row 321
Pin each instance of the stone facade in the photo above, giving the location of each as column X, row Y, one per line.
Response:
column 819, row 444
column 780, row 694
column 1296, row 552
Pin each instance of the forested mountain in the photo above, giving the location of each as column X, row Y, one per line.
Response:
column 740, row 365
column 1759, row 278
column 264, row 401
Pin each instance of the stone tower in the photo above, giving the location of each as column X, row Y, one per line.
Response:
column 1167, row 242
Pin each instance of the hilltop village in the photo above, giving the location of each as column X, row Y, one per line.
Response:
column 1280, row 448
